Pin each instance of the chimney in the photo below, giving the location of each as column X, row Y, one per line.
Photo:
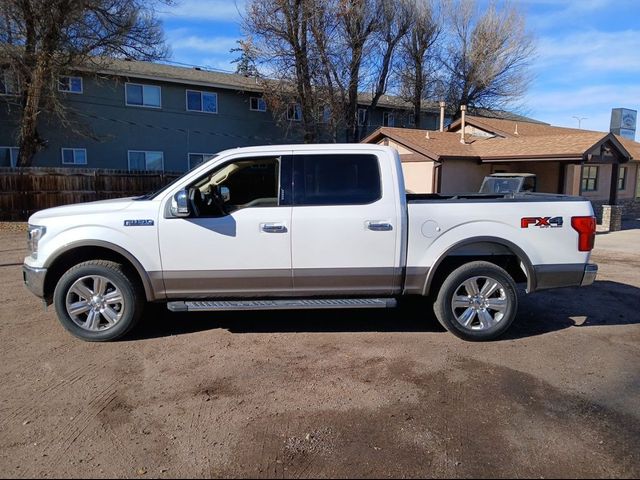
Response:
column 442, row 105
column 463, row 109
column 427, row 135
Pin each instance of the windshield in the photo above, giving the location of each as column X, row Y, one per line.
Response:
column 501, row 185
column 153, row 194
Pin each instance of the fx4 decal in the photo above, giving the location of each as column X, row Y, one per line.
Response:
column 138, row 223
column 542, row 222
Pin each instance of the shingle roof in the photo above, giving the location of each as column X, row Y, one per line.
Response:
column 535, row 144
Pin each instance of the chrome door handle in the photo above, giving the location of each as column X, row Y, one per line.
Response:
column 378, row 226
column 273, row 228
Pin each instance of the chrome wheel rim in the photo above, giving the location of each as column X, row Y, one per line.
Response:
column 479, row 303
column 95, row 303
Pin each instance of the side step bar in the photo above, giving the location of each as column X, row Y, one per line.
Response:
column 295, row 304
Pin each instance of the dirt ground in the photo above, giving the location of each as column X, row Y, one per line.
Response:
column 328, row 394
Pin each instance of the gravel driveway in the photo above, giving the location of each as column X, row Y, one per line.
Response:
column 328, row 394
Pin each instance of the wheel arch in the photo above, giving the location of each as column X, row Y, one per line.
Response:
column 72, row 254
column 446, row 262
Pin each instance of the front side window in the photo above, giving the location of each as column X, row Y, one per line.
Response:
column 196, row 159
column 145, row 160
column 257, row 104
column 74, row 156
column 138, row 95
column 622, row 178
column 589, row 179
column 70, row 84
column 8, row 156
column 244, row 183
column 343, row 179
column 206, row 102
column 388, row 119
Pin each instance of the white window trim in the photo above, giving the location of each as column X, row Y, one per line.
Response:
column 361, row 124
column 11, row 164
column 201, row 92
column 145, row 159
column 5, row 73
column 126, row 95
column 197, row 153
column 71, row 91
column 86, row 158
column 258, row 109
column 389, row 115
column 297, row 108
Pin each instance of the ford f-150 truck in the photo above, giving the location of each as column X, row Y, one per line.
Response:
column 305, row 226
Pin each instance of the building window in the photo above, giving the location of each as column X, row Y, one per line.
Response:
column 294, row 112
column 388, row 119
column 8, row 156
column 9, row 84
column 589, row 179
column 257, row 104
column 142, row 160
column 74, row 156
column 196, row 159
column 362, row 116
column 138, row 95
column 622, row 178
column 325, row 114
column 205, row 102
column 70, row 84
column 411, row 120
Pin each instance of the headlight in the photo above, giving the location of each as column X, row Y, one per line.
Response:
column 34, row 234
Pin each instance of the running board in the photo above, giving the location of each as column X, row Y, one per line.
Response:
column 221, row 305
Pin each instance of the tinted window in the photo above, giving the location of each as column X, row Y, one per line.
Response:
column 336, row 179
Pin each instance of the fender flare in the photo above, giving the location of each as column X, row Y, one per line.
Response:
column 153, row 288
column 522, row 256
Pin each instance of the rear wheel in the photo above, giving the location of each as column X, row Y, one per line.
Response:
column 98, row 301
column 478, row 301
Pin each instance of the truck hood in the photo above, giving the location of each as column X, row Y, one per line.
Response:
column 88, row 208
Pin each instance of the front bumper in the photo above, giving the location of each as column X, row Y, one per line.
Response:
column 564, row 275
column 34, row 279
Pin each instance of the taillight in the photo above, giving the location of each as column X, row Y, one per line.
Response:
column 586, row 228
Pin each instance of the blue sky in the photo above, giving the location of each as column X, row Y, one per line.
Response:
column 587, row 62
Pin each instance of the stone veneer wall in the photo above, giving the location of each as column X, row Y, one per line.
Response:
column 630, row 208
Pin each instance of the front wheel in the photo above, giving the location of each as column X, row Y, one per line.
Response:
column 98, row 301
column 477, row 301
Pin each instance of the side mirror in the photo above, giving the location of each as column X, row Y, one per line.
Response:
column 180, row 204
column 225, row 193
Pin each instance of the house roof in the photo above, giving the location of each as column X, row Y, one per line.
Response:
column 534, row 141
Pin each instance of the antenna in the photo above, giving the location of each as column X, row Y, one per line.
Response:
column 580, row 120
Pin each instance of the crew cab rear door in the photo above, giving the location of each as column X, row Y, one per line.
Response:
column 344, row 227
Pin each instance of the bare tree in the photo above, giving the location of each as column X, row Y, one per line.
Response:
column 283, row 41
column 417, row 66
column 395, row 20
column 486, row 56
column 45, row 39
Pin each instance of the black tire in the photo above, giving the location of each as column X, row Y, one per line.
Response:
column 486, row 322
column 120, row 284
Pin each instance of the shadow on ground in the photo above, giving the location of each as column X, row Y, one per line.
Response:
column 603, row 304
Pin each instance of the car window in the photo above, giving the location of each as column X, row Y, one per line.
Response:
column 336, row 179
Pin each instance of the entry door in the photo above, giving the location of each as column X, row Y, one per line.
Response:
column 246, row 253
column 345, row 231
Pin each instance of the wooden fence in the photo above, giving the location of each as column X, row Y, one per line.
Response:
column 24, row 191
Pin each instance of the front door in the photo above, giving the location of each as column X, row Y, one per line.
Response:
column 237, row 241
column 345, row 229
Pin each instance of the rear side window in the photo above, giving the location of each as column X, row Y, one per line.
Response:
column 348, row 179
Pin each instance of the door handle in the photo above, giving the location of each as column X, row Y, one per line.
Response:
column 379, row 226
column 273, row 227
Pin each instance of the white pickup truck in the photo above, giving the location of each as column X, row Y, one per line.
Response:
column 305, row 226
